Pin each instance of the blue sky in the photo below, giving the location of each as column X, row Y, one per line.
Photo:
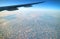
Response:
column 48, row 4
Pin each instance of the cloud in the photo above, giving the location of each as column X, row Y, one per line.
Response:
column 25, row 19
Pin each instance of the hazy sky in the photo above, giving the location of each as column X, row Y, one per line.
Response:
column 48, row 4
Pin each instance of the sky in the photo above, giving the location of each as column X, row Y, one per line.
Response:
column 48, row 4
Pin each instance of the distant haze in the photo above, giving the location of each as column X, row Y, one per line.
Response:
column 28, row 23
